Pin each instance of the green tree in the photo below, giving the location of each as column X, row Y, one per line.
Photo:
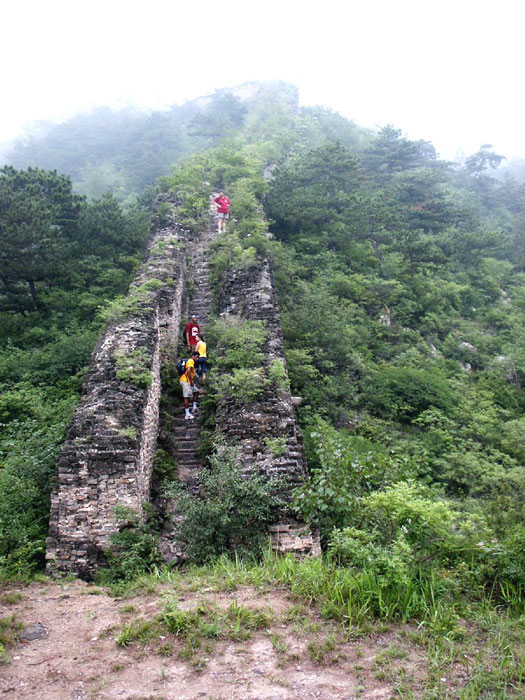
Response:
column 315, row 191
column 222, row 115
column 391, row 153
column 39, row 217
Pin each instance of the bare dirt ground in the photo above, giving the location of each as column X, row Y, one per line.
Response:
column 298, row 655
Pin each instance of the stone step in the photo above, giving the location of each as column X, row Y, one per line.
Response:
column 194, row 467
column 191, row 465
column 186, row 428
column 190, row 451
column 186, row 437
column 185, row 449
column 187, row 433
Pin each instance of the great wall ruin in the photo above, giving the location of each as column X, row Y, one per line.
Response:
column 108, row 456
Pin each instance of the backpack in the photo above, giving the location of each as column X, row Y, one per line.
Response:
column 181, row 367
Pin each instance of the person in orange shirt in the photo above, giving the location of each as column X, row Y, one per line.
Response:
column 189, row 390
column 202, row 363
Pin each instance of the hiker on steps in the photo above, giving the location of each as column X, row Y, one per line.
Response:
column 223, row 210
column 191, row 332
column 202, row 363
column 189, row 390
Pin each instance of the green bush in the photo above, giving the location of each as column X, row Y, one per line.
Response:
column 134, row 367
column 278, row 377
column 402, row 393
column 277, row 446
column 343, row 469
column 232, row 512
column 231, row 253
column 511, row 558
column 513, row 440
column 241, row 384
column 239, row 342
column 392, row 565
column 431, row 526
column 402, row 535
column 28, row 452
column 133, row 550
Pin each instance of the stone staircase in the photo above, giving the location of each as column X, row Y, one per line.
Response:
column 186, row 434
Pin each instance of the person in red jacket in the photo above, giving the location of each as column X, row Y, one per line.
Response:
column 223, row 210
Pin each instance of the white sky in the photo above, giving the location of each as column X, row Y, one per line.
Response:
column 447, row 71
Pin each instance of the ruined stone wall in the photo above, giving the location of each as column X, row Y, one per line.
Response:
column 250, row 294
column 107, row 457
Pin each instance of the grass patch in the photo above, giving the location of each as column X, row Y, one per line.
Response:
column 477, row 646
column 11, row 597
column 197, row 628
column 321, row 650
column 10, row 630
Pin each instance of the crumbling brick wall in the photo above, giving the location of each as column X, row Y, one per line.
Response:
column 107, row 456
column 250, row 294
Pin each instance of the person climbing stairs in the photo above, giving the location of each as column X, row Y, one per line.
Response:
column 187, row 433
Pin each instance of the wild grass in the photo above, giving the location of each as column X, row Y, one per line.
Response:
column 10, row 629
column 339, row 592
column 198, row 628
column 476, row 645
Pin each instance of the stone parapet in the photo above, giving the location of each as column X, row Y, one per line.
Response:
column 266, row 431
column 107, row 457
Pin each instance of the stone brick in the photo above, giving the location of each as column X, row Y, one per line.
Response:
column 99, row 467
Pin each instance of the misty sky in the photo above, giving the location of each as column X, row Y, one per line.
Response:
column 449, row 72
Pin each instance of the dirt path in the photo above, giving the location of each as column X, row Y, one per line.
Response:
column 297, row 655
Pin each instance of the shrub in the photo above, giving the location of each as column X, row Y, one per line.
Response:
column 239, row 342
column 346, row 468
column 133, row 367
column 392, row 565
column 277, row 446
column 511, row 559
column 241, row 384
column 402, row 537
column 232, row 512
column 28, row 453
column 430, row 525
column 231, row 253
column 133, row 550
column 277, row 376
column 514, row 438
column 402, row 393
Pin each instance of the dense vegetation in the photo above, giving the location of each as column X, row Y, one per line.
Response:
column 401, row 285
column 401, row 281
column 62, row 261
column 127, row 150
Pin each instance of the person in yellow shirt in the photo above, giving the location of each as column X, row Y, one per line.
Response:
column 201, row 366
column 189, row 390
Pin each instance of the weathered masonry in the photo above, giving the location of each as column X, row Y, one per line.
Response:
column 107, row 458
column 256, row 427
